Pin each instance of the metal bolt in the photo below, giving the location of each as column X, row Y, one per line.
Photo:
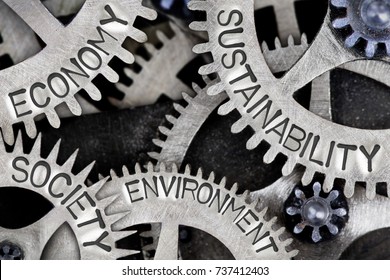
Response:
column 376, row 13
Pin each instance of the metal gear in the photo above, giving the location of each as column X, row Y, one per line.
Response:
column 73, row 203
column 369, row 21
column 172, row 199
column 175, row 52
column 316, row 212
column 77, row 59
column 266, row 103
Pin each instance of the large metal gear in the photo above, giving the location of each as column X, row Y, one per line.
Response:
column 69, row 62
column 267, row 105
column 74, row 204
column 172, row 199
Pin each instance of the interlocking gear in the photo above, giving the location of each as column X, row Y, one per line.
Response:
column 73, row 203
column 267, row 105
column 172, row 199
column 74, row 55
column 316, row 212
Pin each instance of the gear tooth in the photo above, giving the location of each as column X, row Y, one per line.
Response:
column 8, row 134
column 371, row 49
column 239, row 126
column 349, row 189
column 197, row 88
column 270, row 155
column 307, row 177
column 52, row 157
column 89, row 183
column 288, row 168
column 352, row 40
column 327, row 185
column 174, row 167
column 113, row 174
column 53, row 118
column 137, row 168
column 74, row 106
column 222, row 183
column 254, row 141
column 162, row 37
column 226, row 108
column 339, row 3
column 198, row 26
column 171, row 119
column 212, row 177
column 138, row 35
column 187, row 170
column 18, row 148
column 164, row 130
column 130, row 74
column 178, row 108
column 209, row 69
column 215, row 89
column 387, row 47
column 278, row 44
column 36, row 149
column 110, row 74
column 287, row 242
column 119, row 235
column 116, row 217
column 68, row 165
column 94, row 189
column 154, row 155
column 100, row 176
column 115, row 102
column 234, row 189
column 304, row 41
column 125, row 171
column 150, row 167
column 200, row 173
column 290, row 40
column 150, row 48
column 370, row 190
column 206, row 79
column 147, row 13
column 83, row 174
column 158, row 143
column 31, row 129
column 198, row 5
column 202, row 48
column 187, row 97
column 149, row 247
column 163, row 167
column 125, row 55
column 340, row 23
column 123, row 253
column 264, row 47
column 93, row 92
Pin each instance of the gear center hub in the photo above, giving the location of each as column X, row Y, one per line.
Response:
column 10, row 251
column 316, row 211
column 376, row 13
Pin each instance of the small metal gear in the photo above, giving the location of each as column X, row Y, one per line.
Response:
column 74, row 55
column 316, row 212
column 172, row 199
column 74, row 204
column 369, row 20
